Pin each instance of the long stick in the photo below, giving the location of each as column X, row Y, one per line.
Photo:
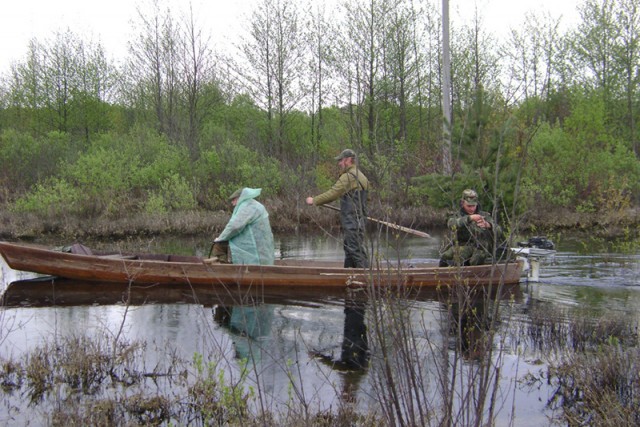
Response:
column 388, row 224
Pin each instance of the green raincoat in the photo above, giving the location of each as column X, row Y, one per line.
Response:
column 249, row 231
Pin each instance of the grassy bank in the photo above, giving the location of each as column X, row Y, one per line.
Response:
column 294, row 216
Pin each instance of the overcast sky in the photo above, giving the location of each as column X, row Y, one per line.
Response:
column 110, row 20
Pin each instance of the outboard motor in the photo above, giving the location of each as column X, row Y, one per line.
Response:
column 533, row 251
column 539, row 242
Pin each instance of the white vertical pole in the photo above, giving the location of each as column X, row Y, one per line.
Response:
column 446, row 90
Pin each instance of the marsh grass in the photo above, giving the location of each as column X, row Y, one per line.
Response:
column 11, row 376
column 554, row 331
column 597, row 388
column 592, row 366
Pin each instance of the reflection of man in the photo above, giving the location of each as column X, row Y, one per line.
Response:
column 351, row 188
column 470, row 326
column 248, row 233
column 473, row 233
column 354, row 355
column 355, row 346
column 248, row 323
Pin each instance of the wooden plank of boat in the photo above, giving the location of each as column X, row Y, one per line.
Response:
column 178, row 269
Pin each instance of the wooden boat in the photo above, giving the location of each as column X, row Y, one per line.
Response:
column 193, row 270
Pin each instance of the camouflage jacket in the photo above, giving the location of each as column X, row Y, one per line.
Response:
column 466, row 232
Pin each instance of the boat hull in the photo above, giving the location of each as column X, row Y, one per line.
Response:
column 191, row 270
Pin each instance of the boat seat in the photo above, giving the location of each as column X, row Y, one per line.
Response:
column 79, row 249
column 119, row 256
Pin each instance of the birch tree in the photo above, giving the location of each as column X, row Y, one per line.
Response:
column 594, row 47
column 531, row 54
column 63, row 85
column 320, row 31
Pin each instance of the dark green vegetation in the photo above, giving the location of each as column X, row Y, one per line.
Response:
column 542, row 122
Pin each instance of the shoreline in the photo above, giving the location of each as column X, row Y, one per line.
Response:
column 288, row 220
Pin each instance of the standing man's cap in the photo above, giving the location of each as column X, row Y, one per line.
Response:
column 470, row 197
column 236, row 194
column 346, row 153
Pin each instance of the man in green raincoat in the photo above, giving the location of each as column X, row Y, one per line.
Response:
column 248, row 232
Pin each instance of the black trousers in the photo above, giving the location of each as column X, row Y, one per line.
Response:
column 355, row 255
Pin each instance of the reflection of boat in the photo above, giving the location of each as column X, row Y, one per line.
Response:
column 54, row 291
column 81, row 264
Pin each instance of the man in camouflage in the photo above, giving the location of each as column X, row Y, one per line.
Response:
column 473, row 234
column 351, row 188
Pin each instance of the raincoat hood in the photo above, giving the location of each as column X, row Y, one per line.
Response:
column 247, row 194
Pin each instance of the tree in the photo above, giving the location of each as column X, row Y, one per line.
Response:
column 475, row 82
column 275, row 59
column 153, row 69
column 628, row 17
column 359, row 63
column 198, row 76
column 594, row 48
column 400, row 65
column 532, row 52
column 319, row 36
column 64, row 85
column 25, row 91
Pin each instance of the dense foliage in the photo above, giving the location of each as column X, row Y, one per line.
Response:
column 544, row 119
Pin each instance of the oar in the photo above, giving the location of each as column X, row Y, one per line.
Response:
column 388, row 224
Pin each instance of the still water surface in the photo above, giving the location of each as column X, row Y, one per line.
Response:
column 300, row 339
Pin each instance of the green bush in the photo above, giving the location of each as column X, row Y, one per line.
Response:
column 591, row 175
column 155, row 204
column 53, row 198
column 32, row 159
column 141, row 171
column 176, row 193
column 222, row 170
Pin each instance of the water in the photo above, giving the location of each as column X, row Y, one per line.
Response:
column 303, row 344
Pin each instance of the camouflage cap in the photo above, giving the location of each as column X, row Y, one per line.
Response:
column 470, row 197
column 346, row 153
column 235, row 194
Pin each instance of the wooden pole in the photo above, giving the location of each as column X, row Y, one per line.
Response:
column 388, row 224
